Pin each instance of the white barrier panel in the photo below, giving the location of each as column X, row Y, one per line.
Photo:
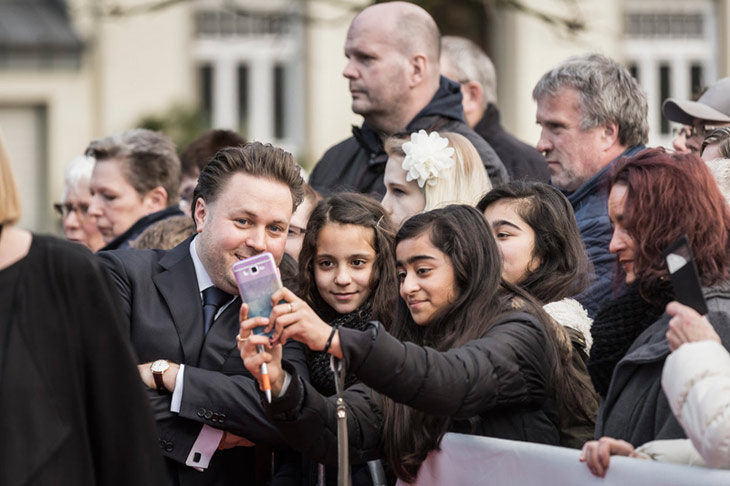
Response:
column 472, row 460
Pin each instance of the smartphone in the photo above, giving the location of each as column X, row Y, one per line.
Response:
column 683, row 275
column 258, row 278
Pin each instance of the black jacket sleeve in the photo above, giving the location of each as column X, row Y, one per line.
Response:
column 307, row 420
column 506, row 367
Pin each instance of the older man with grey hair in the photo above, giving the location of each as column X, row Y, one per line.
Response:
column 393, row 53
column 465, row 62
column 591, row 111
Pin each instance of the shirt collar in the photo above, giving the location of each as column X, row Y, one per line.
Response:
column 204, row 280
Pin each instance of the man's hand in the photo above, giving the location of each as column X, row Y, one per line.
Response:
column 229, row 441
column 168, row 377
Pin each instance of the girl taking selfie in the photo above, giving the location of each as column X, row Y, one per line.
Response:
column 466, row 353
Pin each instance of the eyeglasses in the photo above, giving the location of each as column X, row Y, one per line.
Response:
column 295, row 232
column 64, row 209
column 693, row 131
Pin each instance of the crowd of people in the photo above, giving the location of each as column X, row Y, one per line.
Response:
column 439, row 275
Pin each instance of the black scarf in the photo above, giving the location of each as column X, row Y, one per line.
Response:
column 618, row 323
column 320, row 373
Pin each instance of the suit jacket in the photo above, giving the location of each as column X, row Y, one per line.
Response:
column 72, row 408
column 164, row 318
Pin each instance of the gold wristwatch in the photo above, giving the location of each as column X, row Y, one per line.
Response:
column 158, row 369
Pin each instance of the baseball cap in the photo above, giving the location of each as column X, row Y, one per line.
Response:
column 713, row 105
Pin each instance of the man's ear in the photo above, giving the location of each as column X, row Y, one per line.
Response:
column 156, row 199
column 419, row 66
column 473, row 100
column 610, row 135
column 200, row 214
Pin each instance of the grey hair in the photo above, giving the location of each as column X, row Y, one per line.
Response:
column 77, row 172
column 470, row 63
column 608, row 93
column 149, row 160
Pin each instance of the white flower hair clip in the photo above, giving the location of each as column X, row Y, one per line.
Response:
column 427, row 157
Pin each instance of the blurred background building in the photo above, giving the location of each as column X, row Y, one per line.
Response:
column 75, row 70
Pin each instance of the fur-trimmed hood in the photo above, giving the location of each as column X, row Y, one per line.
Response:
column 570, row 313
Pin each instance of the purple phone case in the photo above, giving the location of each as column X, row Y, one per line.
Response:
column 258, row 278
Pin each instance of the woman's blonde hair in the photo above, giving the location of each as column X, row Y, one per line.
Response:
column 9, row 198
column 467, row 181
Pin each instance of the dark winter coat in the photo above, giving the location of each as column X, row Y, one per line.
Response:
column 500, row 380
column 123, row 241
column 636, row 409
column 358, row 163
column 522, row 161
column 589, row 202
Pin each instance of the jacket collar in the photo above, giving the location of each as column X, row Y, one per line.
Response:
column 446, row 103
column 177, row 283
column 122, row 242
column 592, row 185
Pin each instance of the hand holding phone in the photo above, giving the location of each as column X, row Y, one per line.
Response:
column 683, row 275
column 258, row 278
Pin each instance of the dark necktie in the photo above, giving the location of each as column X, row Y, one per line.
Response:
column 213, row 299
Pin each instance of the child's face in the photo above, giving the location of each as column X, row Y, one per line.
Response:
column 403, row 198
column 426, row 275
column 515, row 239
column 342, row 265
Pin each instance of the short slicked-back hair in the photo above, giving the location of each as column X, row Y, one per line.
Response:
column 148, row 160
column 469, row 63
column 256, row 159
column 608, row 93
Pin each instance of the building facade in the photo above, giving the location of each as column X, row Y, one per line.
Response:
column 75, row 70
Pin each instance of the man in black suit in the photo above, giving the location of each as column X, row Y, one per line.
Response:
column 206, row 404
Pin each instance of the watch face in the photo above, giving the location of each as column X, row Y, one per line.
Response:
column 159, row 366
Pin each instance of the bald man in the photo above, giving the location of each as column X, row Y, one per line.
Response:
column 393, row 52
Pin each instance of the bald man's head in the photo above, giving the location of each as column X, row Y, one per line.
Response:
column 393, row 68
column 409, row 27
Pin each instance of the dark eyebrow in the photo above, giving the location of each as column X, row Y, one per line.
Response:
column 504, row 222
column 361, row 256
column 414, row 258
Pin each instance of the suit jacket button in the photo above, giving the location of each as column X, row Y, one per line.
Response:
column 222, row 418
column 201, row 412
column 162, row 443
column 208, row 414
column 168, row 447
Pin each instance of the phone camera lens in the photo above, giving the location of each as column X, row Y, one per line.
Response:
column 254, row 270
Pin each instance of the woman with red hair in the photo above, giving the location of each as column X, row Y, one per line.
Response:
column 656, row 197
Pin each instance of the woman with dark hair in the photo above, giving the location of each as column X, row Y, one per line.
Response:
column 560, row 267
column 468, row 353
column 543, row 253
column 656, row 197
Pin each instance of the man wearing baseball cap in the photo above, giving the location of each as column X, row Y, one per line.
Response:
column 712, row 109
